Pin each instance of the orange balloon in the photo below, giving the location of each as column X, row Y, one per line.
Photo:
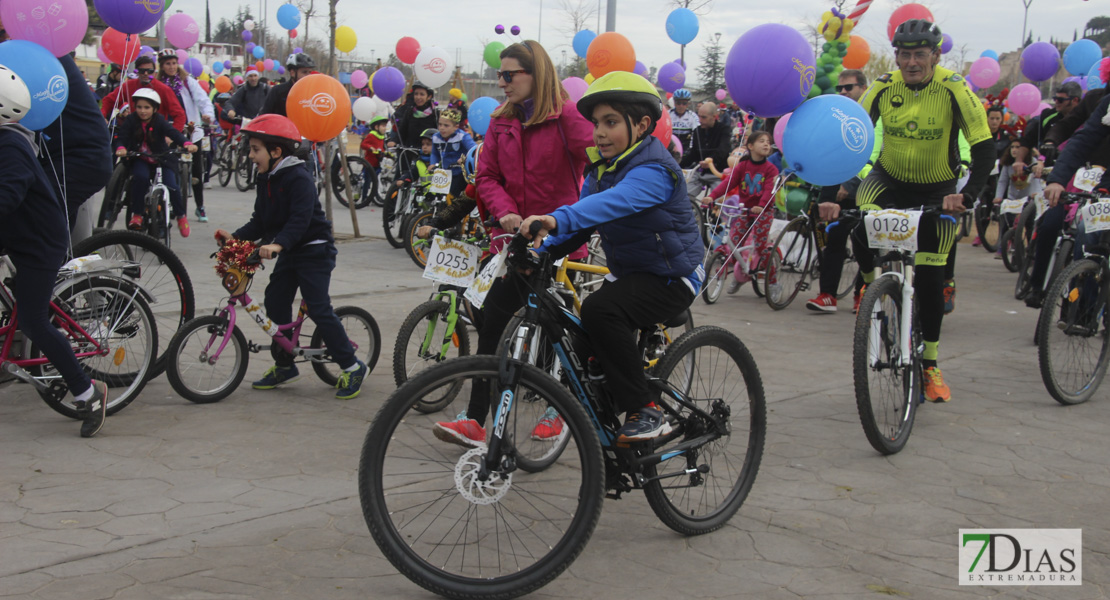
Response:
column 223, row 84
column 610, row 52
column 859, row 52
column 261, row 66
column 319, row 106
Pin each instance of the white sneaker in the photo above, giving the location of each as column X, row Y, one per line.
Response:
column 207, row 185
column 734, row 286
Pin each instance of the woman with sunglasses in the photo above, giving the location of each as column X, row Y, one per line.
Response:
column 170, row 109
column 532, row 163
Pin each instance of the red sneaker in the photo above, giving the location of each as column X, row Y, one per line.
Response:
column 136, row 223
column 855, row 307
column 550, row 426
column 823, row 303
column 183, row 226
column 462, row 431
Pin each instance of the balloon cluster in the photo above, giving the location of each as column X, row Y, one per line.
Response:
column 836, row 28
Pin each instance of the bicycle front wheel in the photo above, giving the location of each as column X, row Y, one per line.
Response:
column 417, row 248
column 1072, row 333
column 420, row 345
column 791, row 258
column 114, row 314
column 227, row 163
column 718, row 273
column 987, row 226
column 887, row 391
column 115, row 196
column 462, row 536
column 394, row 213
column 714, row 371
column 193, row 372
column 1011, row 251
column 362, row 330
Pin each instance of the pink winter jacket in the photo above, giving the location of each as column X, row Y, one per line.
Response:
column 533, row 170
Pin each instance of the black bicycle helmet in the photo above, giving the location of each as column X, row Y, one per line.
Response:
column 115, row 68
column 428, row 134
column 917, row 33
column 300, row 60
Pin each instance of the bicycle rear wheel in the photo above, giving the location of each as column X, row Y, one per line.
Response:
column 887, row 392
column 791, row 259
column 848, row 274
column 114, row 314
column 1072, row 334
column 359, row 170
column 1011, row 251
column 397, row 201
column 461, row 537
column 718, row 274
column 1023, row 249
column 362, row 330
column 419, row 344
column 244, row 173
column 227, row 163
column 713, row 369
column 987, row 226
column 115, row 196
column 192, row 373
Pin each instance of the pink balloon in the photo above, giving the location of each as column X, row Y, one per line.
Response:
column 984, row 72
column 721, row 94
column 1024, row 99
column 59, row 26
column 182, row 56
column 677, row 144
column 238, row 80
column 575, row 86
column 359, row 79
column 182, row 31
column 780, row 127
column 1042, row 106
column 103, row 57
column 269, row 64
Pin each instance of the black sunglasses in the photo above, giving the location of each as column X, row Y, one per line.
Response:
column 1059, row 99
column 144, row 71
column 846, row 87
column 508, row 75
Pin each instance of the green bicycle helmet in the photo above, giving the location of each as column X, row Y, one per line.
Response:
column 917, row 33
column 626, row 88
column 375, row 120
column 429, row 134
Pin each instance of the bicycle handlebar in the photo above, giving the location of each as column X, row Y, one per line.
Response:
column 856, row 215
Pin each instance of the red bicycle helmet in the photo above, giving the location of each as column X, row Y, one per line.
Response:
column 274, row 129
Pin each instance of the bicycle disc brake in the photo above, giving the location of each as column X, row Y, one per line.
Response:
column 471, row 487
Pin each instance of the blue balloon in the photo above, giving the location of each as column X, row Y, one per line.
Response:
column 990, row 53
column 1080, row 55
column 1094, row 78
column 581, row 42
column 828, row 139
column 258, row 52
column 479, row 114
column 217, row 67
column 45, row 79
column 682, row 26
column 288, row 16
column 344, row 77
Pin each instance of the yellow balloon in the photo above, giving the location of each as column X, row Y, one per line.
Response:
column 345, row 39
column 848, row 25
column 825, row 16
column 203, row 77
column 589, row 78
column 455, row 93
column 830, row 29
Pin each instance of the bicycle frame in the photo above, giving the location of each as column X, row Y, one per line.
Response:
column 905, row 283
column 276, row 332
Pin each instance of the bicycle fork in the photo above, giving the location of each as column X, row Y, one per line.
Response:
column 508, row 377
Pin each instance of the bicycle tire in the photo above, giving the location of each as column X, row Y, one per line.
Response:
column 408, row 358
column 1023, row 233
column 243, row 174
column 703, row 228
column 115, row 196
column 393, row 214
column 227, row 164
column 185, row 182
column 1011, row 259
column 365, row 336
column 521, row 549
column 416, row 247
column 717, row 353
column 848, row 274
column 717, row 274
column 789, row 269
column 359, row 169
column 985, row 216
column 189, row 365
column 878, row 328
column 1069, row 377
column 161, row 274
column 129, row 357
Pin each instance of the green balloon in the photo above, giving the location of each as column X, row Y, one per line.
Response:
column 465, row 99
column 492, row 54
column 842, row 46
column 826, row 46
column 814, row 92
column 796, row 201
column 828, row 67
column 822, row 81
column 168, row 4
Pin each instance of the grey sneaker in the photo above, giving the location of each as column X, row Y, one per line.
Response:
column 643, row 424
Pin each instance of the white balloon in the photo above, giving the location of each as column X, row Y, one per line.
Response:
column 433, row 66
column 248, row 25
column 364, row 108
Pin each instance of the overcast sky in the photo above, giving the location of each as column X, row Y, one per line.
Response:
column 462, row 24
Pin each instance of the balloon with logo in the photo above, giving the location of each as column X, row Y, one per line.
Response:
column 664, row 129
column 45, row 79
column 682, row 28
column 905, row 13
column 407, row 50
column 118, row 48
column 610, row 52
column 359, row 79
column 319, row 106
column 492, row 54
column 575, row 87
column 182, row 31
column 1078, row 57
column 581, row 42
column 288, row 16
column 1024, row 99
column 830, row 139
column 671, row 77
column 128, row 16
column 227, row 65
column 1094, row 76
column 478, row 115
column 147, row 51
column 1040, row 61
column 388, row 84
column 59, row 28
column 770, row 70
column 345, row 39
column 858, row 53
column 984, row 72
column 433, row 66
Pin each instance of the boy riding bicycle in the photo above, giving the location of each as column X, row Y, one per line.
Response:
column 288, row 219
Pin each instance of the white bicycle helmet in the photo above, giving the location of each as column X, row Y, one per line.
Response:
column 149, row 94
column 15, row 99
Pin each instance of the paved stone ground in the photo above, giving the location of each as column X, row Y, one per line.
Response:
column 256, row 496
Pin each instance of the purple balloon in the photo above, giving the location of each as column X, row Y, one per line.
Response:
column 146, row 51
column 59, row 29
column 499, row 29
column 281, row 70
column 515, row 30
column 298, row 50
column 640, row 69
column 194, row 66
column 249, row 47
column 680, row 62
column 247, row 35
column 129, row 16
column 770, row 70
column 1040, row 61
column 227, row 64
column 671, row 77
column 1080, row 79
column 388, row 84
column 946, row 43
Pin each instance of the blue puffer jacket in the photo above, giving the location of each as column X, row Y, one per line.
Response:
column 446, row 153
column 638, row 203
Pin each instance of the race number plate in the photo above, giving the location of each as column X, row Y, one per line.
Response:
column 1042, row 203
column 478, row 289
column 1087, row 179
column 451, row 262
column 1096, row 215
column 441, row 181
column 1012, row 206
column 893, row 229
column 206, row 143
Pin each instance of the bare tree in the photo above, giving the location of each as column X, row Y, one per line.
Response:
column 957, row 59
column 698, row 7
column 577, row 15
column 308, row 9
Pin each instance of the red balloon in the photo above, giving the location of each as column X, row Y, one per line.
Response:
column 663, row 128
column 118, row 48
column 204, row 85
column 407, row 50
column 905, row 13
column 292, row 33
